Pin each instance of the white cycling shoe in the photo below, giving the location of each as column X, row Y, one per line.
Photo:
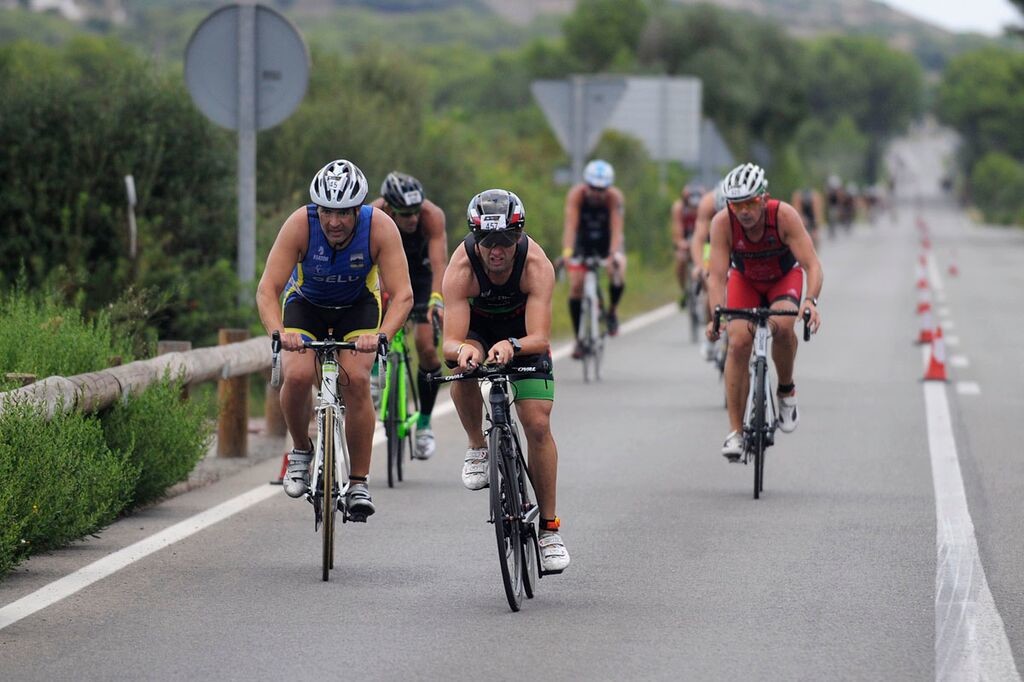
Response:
column 474, row 469
column 425, row 443
column 554, row 557
column 789, row 415
column 296, row 479
column 732, row 448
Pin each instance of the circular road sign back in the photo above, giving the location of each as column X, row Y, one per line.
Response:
column 211, row 67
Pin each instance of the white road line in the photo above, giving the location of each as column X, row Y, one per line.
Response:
column 935, row 278
column 960, row 361
column 945, row 312
column 110, row 564
column 952, row 340
column 947, row 324
column 968, row 388
column 970, row 639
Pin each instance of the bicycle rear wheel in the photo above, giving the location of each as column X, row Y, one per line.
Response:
column 758, row 425
column 597, row 333
column 693, row 304
column 506, row 513
column 326, row 492
column 528, row 534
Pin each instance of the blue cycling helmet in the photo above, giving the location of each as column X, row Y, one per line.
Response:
column 599, row 174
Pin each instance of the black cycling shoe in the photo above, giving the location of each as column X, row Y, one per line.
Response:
column 613, row 323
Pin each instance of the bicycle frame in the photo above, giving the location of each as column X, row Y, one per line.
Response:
column 327, row 400
column 398, row 358
column 759, row 379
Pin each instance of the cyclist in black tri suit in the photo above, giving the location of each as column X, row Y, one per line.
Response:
column 594, row 218
column 497, row 291
column 421, row 223
column 322, row 275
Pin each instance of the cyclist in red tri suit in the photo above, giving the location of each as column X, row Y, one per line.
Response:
column 684, row 219
column 763, row 248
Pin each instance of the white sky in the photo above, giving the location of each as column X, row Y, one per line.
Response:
column 982, row 16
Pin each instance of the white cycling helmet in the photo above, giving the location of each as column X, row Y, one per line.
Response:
column 744, row 182
column 339, row 184
column 719, row 196
column 599, row 174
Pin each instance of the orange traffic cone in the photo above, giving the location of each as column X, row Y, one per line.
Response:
column 922, row 273
column 284, row 470
column 937, row 362
column 953, row 269
column 927, row 329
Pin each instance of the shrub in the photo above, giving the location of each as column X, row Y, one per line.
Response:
column 163, row 436
column 61, row 481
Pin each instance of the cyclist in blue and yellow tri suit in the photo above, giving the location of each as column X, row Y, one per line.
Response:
column 322, row 275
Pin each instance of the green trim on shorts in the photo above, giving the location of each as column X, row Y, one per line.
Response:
column 533, row 389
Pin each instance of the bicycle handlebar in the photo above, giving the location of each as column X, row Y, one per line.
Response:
column 275, row 359
column 760, row 315
column 486, row 371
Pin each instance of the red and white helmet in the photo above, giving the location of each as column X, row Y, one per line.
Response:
column 495, row 210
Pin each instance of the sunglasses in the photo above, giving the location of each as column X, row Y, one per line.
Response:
column 341, row 212
column 405, row 212
column 503, row 239
column 746, row 204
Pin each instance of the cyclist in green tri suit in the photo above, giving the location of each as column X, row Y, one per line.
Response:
column 497, row 291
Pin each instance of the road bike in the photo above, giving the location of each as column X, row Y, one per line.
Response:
column 760, row 416
column 593, row 318
column 696, row 305
column 399, row 405
column 329, row 481
column 399, row 402
column 512, row 509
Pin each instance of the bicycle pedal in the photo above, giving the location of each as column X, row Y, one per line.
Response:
column 733, row 459
column 357, row 518
column 542, row 572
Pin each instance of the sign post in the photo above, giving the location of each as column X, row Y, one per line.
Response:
column 246, row 67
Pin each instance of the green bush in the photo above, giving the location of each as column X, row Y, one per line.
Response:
column 164, row 437
column 39, row 336
column 60, row 481
column 997, row 184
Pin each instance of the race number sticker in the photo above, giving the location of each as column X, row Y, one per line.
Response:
column 412, row 197
column 334, row 182
column 492, row 221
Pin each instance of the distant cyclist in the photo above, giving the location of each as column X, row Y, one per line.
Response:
column 762, row 248
column 498, row 291
column 700, row 249
column 322, row 275
column 594, row 218
column 811, row 206
column 684, row 220
column 421, row 223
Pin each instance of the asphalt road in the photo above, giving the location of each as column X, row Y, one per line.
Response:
column 677, row 573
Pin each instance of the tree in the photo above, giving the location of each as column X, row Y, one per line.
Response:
column 599, row 31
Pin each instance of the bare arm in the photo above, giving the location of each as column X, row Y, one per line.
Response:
column 457, row 287
column 288, row 249
column 701, row 229
column 721, row 247
column 572, row 218
column 676, row 223
column 617, row 212
column 437, row 242
column 795, row 236
column 386, row 249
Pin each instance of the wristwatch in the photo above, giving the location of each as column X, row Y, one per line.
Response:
column 516, row 346
column 812, row 300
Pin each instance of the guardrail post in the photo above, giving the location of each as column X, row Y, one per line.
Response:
column 170, row 346
column 233, row 405
column 273, row 417
column 22, row 378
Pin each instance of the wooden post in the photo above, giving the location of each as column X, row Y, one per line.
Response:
column 233, row 405
column 21, row 377
column 169, row 346
column 272, row 416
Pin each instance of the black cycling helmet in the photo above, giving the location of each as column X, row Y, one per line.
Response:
column 495, row 210
column 402, row 191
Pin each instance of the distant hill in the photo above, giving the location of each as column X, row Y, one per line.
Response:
column 805, row 18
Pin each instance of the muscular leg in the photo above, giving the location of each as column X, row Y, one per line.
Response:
column 575, row 294
column 535, row 418
column 360, row 421
column 296, row 395
column 784, row 342
column 429, row 364
column 737, row 373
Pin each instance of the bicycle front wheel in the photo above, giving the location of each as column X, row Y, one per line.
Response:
column 758, row 424
column 392, row 421
column 585, row 337
column 506, row 511
column 326, row 492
